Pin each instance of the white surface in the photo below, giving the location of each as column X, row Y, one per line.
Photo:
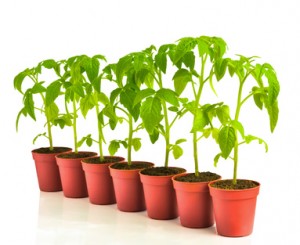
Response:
column 31, row 31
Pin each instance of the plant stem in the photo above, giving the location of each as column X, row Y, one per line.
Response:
column 236, row 146
column 167, row 134
column 197, row 101
column 100, row 135
column 75, row 126
column 130, row 134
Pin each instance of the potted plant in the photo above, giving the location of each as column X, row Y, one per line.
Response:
column 197, row 59
column 35, row 98
column 70, row 167
column 155, row 99
column 125, row 175
column 98, row 179
column 234, row 200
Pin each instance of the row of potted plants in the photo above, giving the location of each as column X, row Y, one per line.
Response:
column 136, row 90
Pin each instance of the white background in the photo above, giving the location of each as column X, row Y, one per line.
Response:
column 31, row 31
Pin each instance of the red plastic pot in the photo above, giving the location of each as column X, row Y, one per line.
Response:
column 128, row 188
column 47, row 170
column 99, row 182
column 234, row 210
column 72, row 175
column 194, row 203
column 160, row 196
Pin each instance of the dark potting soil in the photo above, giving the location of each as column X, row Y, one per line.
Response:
column 162, row 171
column 132, row 166
column 73, row 155
column 202, row 177
column 47, row 150
column 240, row 185
column 97, row 160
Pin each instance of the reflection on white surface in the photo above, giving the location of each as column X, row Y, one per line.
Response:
column 75, row 221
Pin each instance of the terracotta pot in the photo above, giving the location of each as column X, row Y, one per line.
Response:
column 234, row 210
column 47, row 169
column 160, row 196
column 72, row 174
column 128, row 188
column 98, row 180
column 194, row 203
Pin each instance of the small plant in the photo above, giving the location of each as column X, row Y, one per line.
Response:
column 232, row 133
column 122, row 99
column 201, row 58
column 157, row 101
column 92, row 82
column 47, row 107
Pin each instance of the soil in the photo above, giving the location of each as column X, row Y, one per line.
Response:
column 240, row 185
column 96, row 160
column 47, row 150
column 132, row 166
column 202, row 177
column 162, row 171
column 73, row 155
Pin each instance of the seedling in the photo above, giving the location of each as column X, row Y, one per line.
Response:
column 265, row 94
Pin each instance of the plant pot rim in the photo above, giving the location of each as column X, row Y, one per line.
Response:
column 102, row 163
column 192, row 183
column 48, row 153
column 164, row 176
column 234, row 190
column 125, row 162
column 92, row 154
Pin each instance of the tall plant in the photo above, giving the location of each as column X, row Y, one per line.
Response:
column 123, row 74
column 157, row 100
column 199, row 60
column 95, row 99
column 48, row 108
column 265, row 94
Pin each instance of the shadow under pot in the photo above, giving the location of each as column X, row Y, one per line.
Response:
column 127, row 185
column 71, row 173
column 98, row 179
column 46, row 167
column 159, row 192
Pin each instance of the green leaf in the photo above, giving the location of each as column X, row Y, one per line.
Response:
column 29, row 104
column 52, row 92
column 142, row 94
column 258, row 98
column 21, row 112
column 122, row 67
column 238, row 126
column 273, row 112
column 52, row 111
column 181, row 78
column 154, row 136
column 274, row 87
column 136, row 142
column 161, row 61
column 38, row 88
column 49, row 64
column 86, row 104
column 103, row 98
column 250, row 138
column 184, row 45
column 92, row 68
column 18, row 80
column 78, row 89
column 223, row 114
column 113, row 147
column 227, row 139
column 89, row 141
column 114, row 94
column 179, row 141
column 177, row 151
column 216, row 159
column 200, row 121
column 189, row 60
column 151, row 113
column 127, row 98
column 168, row 95
column 220, row 68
